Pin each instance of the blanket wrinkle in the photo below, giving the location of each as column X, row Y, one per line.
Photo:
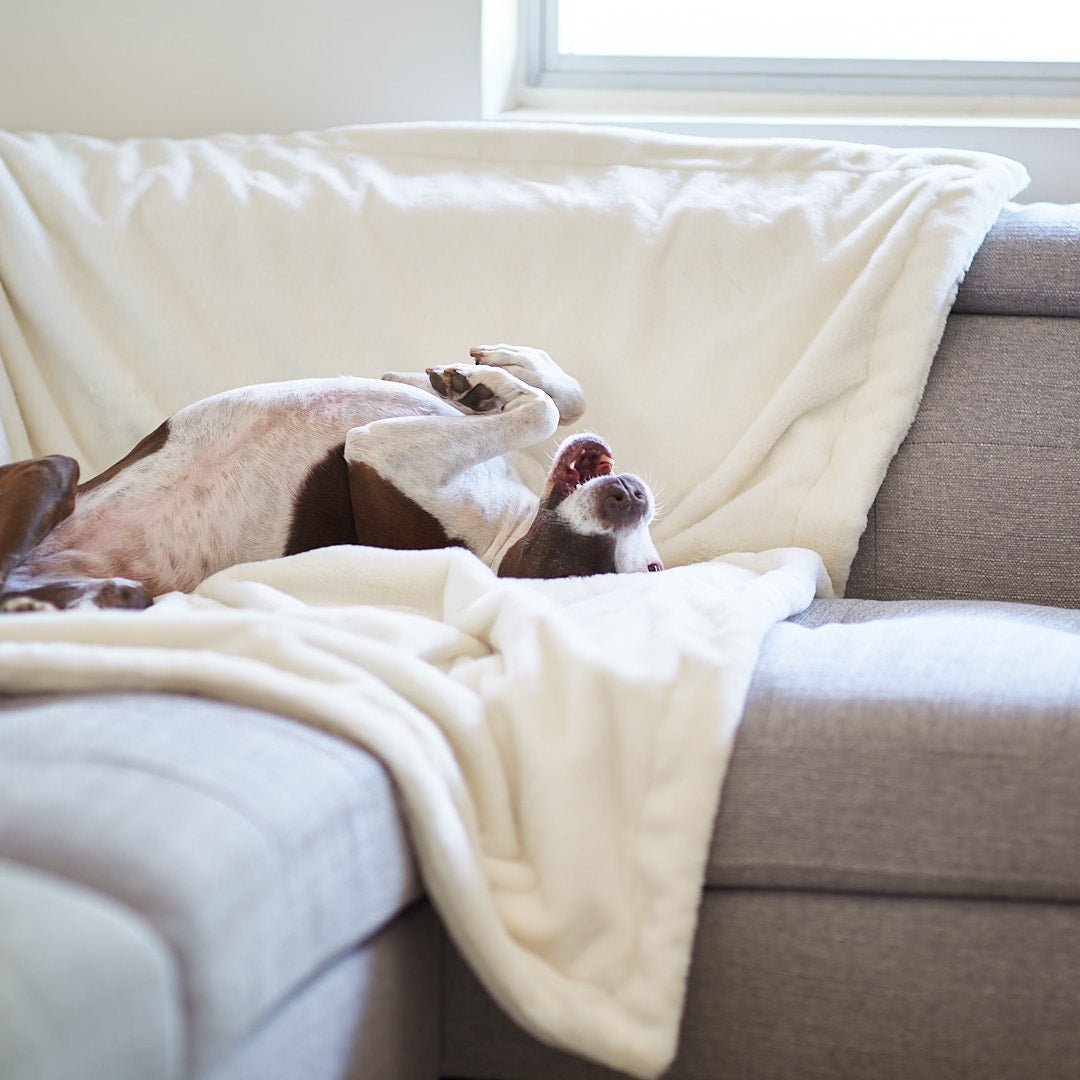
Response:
column 752, row 322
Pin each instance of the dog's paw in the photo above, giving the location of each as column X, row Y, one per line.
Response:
column 473, row 389
column 17, row 604
column 120, row 593
column 535, row 368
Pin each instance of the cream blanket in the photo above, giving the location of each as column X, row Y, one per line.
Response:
column 752, row 322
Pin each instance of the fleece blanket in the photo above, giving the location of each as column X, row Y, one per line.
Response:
column 752, row 322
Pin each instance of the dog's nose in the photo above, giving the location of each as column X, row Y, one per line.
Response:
column 624, row 500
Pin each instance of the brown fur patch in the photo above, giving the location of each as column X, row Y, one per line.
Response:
column 322, row 515
column 387, row 518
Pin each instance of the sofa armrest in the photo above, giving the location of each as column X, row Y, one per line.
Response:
column 1029, row 264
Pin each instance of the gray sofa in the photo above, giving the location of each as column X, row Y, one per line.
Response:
column 189, row 888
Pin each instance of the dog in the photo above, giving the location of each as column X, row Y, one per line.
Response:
column 411, row 461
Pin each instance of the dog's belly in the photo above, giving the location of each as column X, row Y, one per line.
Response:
column 222, row 488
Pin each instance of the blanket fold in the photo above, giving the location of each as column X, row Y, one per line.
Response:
column 752, row 322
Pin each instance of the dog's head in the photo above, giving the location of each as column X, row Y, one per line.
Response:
column 590, row 520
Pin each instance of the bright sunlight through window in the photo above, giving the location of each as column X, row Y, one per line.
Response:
column 1044, row 31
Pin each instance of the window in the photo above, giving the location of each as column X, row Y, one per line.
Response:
column 832, row 46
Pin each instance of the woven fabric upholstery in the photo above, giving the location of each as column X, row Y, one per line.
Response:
column 87, row 988
column 372, row 1013
column 820, row 986
column 1029, row 264
column 893, row 880
column 983, row 498
column 256, row 848
column 915, row 749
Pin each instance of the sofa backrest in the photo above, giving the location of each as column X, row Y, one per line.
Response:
column 983, row 498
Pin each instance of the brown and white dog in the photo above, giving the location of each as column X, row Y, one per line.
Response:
column 281, row 468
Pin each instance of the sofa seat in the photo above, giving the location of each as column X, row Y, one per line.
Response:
column 920, row 747
column 897, row 828
column 223, row 854
column 904, row 785
column 73, row 961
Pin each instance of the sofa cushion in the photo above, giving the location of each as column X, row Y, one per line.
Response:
column 87, row 988
column 921, row 748
column 983, row 498
column 256, row 847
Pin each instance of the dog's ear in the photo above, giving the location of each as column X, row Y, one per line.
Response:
column 35, row 496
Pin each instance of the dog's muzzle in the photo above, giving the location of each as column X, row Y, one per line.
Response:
column 623, row 501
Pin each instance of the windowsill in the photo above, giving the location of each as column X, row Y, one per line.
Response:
column 710, row 107
column 648, row 118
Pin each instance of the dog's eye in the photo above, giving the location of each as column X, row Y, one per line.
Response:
column 654, row 567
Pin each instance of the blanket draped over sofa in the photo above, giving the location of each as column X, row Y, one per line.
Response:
column 752, row 322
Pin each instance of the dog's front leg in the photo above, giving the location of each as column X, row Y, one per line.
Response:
column 430, row 480
column 532, row 366
column 504, row 414
column 537, row 369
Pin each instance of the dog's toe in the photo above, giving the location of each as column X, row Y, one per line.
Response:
column 464, row 386
column 440, row 383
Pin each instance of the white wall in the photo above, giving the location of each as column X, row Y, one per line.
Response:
column 190, row 67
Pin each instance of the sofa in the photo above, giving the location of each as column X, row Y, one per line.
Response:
column 892, row 883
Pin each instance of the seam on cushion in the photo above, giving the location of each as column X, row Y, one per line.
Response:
column 242, row 900
column 296, row 731
column 1063, row 899
column 107, row 761
column 272, row 841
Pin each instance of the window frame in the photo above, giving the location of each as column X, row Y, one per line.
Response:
column 547, row 68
